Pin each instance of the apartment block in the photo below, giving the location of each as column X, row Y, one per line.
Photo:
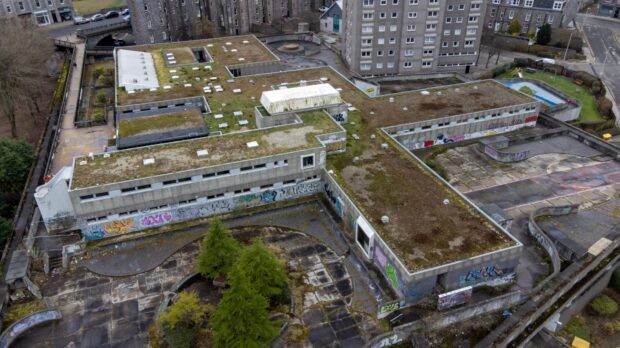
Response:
column 406, row 37
column 43, row 12
column 531, row 14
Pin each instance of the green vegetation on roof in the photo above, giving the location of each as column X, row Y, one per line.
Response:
column 160, row 123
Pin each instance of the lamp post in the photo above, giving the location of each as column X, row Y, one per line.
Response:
column 568, row 45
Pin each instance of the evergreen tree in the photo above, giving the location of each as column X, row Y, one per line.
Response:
column 241, row 319
column 544, row 34
column 514, row 27
column 219, row 251
column 264, row 271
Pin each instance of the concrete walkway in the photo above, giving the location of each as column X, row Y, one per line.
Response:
column 73, row 142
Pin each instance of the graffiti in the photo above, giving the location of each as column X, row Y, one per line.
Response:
column 389, row 307
column 156, row 220
column 480, row 275
column 447, row 139
column 390, row 271
column 379, row 257
column 224, row 205
column 454, row 298
column 388, row 268
column 389, row 341
column 335, row 200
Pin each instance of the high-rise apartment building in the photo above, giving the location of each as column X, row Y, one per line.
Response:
column 406, row 37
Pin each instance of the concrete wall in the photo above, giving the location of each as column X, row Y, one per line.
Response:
column 457, row 128
column 239, row 70
column 146, row 220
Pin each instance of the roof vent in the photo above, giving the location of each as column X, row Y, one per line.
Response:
column 384, row 146
column 252, row 144
column 202, row 153
column 148, row 161
column 446, row 201
column 391, row 99
column 425, row 92
column 91, row 156
column 385, row 219
column 106, row 155
column 82, row 163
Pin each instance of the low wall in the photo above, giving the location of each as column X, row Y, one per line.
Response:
column 239, row 70
column 292, row 37
column 163, row 105
column 25, row 324
column 266, row 121
column 492, row 147
column 146, row 220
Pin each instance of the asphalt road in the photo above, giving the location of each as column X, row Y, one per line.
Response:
column 603, row 38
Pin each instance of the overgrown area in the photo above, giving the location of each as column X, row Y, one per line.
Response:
column 249, row 285
column 86, row 7
column 98, row 90
column 599, row 322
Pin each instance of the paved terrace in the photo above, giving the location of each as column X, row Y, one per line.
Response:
column 423, row 231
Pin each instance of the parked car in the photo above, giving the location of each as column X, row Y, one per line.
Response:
column 125, row 12
column 127, row 18
column 80, row 20
column 97, row 17
column 111, row 14
column 323, row 8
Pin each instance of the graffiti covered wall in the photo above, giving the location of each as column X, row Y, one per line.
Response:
column 454, row 298
column 224, row 205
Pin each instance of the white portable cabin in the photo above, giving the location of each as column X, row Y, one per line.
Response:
column 300, row 98
column 136, row 70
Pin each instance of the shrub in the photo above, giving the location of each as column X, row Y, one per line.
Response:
column 16, row 157
column 608, row 329
column 98, row 116
column 604, row 106
column 99, row 72
column 588, row 79
column 597, row 88
column 526, row 90
column 614, row 282
column 499, row 70
column 431, row 163
column 102, row 98
column 604, row 305
column 514, row 27
column 181, row 321
column 576, row 327
column 219, row 251
column 544, row 34
column 104, row 81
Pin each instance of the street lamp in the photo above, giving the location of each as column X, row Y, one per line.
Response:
column 568, row 45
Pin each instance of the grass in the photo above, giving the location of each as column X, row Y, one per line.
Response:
column 86, row 7
column 589, row 112
column 19, row 311
column 182, row 55
column 576, row 327
column 153, row 124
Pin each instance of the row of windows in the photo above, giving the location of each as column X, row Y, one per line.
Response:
column 527, row 18
column 37, row 4
column 449, row 54
column 461, row 121
column 207, row 198
column 130, row 190
column 557, row 5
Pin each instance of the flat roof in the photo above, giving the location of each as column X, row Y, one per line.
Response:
column 136, row 70
column 423, row 231
column 180, row 156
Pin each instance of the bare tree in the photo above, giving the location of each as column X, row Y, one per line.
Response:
column 23, row 54
column 493, row 46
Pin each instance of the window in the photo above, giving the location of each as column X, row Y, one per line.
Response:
column 496, row 2
column 368, row 2
column 448, row 19
column 367, row 29
column 407, row 65
column 390, row 65
column 381, row 28
column 413, row 2
column 433, row 2
column 411, row 27
column 539, row 18
column 412, row 15
column 432, row 13
column 392, row 40
column 550, row 19
column 446, row 32
column 461, row 7
column 366, row 42
column 410, row 40
column 37, row 3
column 455, row 44
column 457, row 31
column 364, row 66
column 394, row 2
column 444, row 44
column 394, row 14
column 493, row 12
column 366, row 54
column 515, row 2
column 475, row 6
column 393, row 27
column 368, row 16
column 469, row 43
column 381, row 41
column 557, row 5
column 363, row 240
column 474, row 19
column 529, row 3
column 427, row 64
column 383, row 2
column 307, row 161
column 511, row 14
column 408, row 52
column 429, row 40
column 450, row 7
column 471, row 31
column 380, row 53
column 427, row 52
column 459, row 19
column 382, row 15
column 379, row 65
column 390, row 52
column 528, row 16
column 21, row 6
column 431, row 27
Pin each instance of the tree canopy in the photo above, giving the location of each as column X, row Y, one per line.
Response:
column 544, row 34
column 514, row 27
column 242, row 319
column 181, row 321
column 219, row 251
column 16, row 157
column 23, row 57
column 265, row 272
